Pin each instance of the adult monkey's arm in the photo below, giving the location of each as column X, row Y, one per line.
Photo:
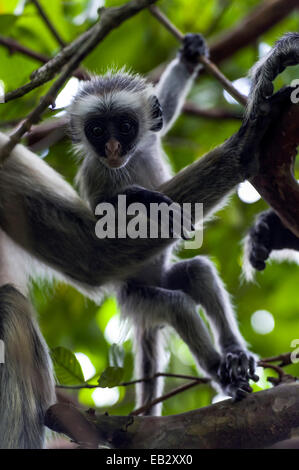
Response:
column 45, row 216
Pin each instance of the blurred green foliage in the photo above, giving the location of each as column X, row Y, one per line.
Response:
column 67, row 319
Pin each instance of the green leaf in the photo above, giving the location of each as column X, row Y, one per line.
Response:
column 67, row 367
column 6, row 22
column 111, row 377
column 116, row 355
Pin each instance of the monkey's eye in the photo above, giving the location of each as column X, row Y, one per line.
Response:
column 98, row 131
column 125, row 127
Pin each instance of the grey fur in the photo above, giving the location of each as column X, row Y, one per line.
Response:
column 26, row 379
column 159, row 294
column 49, row 230
column 284, row 53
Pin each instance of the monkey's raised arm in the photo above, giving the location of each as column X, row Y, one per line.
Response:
column 178, row 77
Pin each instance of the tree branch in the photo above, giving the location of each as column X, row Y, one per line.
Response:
column 208, row 64
column 110, row 19
column 14, row 46
column 213, row 113
column 259, row 421
column 276, row 182
column 48, row 23
column 260, row 20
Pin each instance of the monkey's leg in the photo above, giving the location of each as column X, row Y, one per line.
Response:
column 156, row 306
column 148, row 361
column 200, row 280
column 26, row 379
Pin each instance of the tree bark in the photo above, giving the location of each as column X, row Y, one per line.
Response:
column 260, row 20
column 276, row 182
column 259, row 421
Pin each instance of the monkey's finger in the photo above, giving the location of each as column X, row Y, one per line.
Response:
column 239, row 390
column 252, row 365
column 243, row 365
column 232, row 363
column 242, row 392
column 260, row 234
column 258, row 264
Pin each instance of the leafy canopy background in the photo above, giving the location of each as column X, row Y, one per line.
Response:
column 67, row 319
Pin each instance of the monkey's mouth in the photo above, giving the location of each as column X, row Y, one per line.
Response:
column 115, row 163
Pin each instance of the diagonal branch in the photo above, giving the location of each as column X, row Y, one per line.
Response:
column 260, row 20
column 14, row 46
column 209, row 66
column 276, row 182
column 259, row 421
column 110, row 19
column 48, row 23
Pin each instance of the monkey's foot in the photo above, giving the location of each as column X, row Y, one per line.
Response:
column 194, row 46
column 259, row 243
column 235, row 370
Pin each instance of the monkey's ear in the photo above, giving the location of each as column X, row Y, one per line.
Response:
column 156, row 114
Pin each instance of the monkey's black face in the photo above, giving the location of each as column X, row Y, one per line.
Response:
column 112, row 136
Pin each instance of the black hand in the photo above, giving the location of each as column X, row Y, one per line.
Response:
column 193, row 47
column 267, row 234
column 234, row 372
column 138, row 194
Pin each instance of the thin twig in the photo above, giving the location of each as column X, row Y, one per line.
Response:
column 174, row 392
column 257, row 22
column 267, row 365
column 213, row 113
column 48, row 23
column 284, row 359
column 14, row 46
column 110, row 18
column 136, row 381
column 223, row 7
column 209, row 66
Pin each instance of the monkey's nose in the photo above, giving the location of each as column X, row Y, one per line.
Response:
column 112, row 148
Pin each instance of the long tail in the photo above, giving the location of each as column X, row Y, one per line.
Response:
column 248, row 271
column 284, row 53
column 149, row 360
column 26, row 378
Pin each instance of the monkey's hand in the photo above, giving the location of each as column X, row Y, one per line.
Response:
column 194, row 46
column 267, row 234
column 236, row 368
column 170, row 219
